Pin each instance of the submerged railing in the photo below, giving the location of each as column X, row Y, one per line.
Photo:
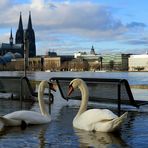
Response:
column 19, row 88
column 104, row 90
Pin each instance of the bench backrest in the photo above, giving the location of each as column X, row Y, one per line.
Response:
column 19, row 87
column 100, row 90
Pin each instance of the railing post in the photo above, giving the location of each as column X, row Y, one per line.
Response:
column 21, row 93
column 25, row 53
column 119, row 98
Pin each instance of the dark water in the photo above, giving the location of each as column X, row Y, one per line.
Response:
column 60, row 132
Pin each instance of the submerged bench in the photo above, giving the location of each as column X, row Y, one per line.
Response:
column 19, row 88
column 102, row 90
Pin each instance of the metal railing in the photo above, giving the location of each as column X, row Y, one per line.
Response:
column 19, row 88
column 104, row 90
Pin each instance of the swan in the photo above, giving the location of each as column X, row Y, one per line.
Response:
column 25, row 117
column 102, row 120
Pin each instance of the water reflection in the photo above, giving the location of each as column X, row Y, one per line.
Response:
column 41, row 136
column 34, row 136
column 99, row 139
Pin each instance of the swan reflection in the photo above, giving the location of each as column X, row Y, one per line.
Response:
column 99, row 139
column 31, row 136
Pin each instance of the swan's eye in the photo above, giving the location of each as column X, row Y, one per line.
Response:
column 70, row 85
column 51, row 86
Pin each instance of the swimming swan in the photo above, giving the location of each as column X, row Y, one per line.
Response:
column 18, row 118
column 102, row 120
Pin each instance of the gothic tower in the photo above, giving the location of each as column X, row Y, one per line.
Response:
column 31, row 38
column 11, row 38
column 19, row 38
column 92, row 51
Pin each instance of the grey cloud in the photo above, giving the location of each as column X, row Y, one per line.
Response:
column 52, row 6
column 84, row 19
column 136, row 24
column 140, row 41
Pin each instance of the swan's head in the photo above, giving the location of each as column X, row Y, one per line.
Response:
column 52, row 86
column 74, row 84
column 45, row 84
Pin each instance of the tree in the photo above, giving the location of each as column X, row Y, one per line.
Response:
column 139, row 68
column 111, row 64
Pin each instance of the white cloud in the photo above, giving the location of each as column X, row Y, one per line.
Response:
column 37, row 4
column 83, row 19
column 5, row 37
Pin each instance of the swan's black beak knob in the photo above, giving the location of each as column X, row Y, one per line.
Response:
column 52, row 86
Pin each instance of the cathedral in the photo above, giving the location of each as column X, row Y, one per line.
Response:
column 17, row 48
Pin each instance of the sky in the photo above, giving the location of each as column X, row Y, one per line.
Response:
column 71, row 26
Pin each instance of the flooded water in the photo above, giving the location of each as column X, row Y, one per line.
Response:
column 132, row 77
column 60, row 132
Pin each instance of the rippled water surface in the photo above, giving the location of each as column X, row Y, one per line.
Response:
column 132, row 77
column 60, row 132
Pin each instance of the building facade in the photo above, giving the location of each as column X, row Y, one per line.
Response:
column 115, row 62
column 138, row 62
column 52, row 63
column 109, row 62
column 33, row 64
column 11, row 47
column 94, row 60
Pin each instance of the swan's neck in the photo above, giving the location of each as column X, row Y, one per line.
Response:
column 40, row 98
column 85, row 94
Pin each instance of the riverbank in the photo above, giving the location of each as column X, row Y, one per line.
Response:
column 139, row 86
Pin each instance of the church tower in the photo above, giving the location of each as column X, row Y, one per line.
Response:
column 92, row 51
column 19, row 38
column 11, row 38
column 31, row 38
column 30, row 35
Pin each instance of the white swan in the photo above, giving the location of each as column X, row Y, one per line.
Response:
column 24, row 117
column 102, row 120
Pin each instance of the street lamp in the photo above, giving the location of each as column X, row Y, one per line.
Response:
column 25, row 52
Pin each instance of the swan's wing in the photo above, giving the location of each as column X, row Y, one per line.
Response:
column 9, row 122
column 30, row 117
column 99, row 120
column 93, row 116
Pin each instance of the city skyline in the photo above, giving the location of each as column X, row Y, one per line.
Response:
column 67, row 26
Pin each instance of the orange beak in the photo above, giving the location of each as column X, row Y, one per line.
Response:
column 70, row 90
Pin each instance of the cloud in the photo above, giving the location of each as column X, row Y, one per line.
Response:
column 5, row 37
column 84, row 19
column 136, row 24
column 140, row 41
column 60, row 23
column 79, row 17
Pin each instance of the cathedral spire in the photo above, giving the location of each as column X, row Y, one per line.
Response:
column 31, row 38
column 20, row 26
column 20, row 32
column 11, row 38
column 29, row 22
